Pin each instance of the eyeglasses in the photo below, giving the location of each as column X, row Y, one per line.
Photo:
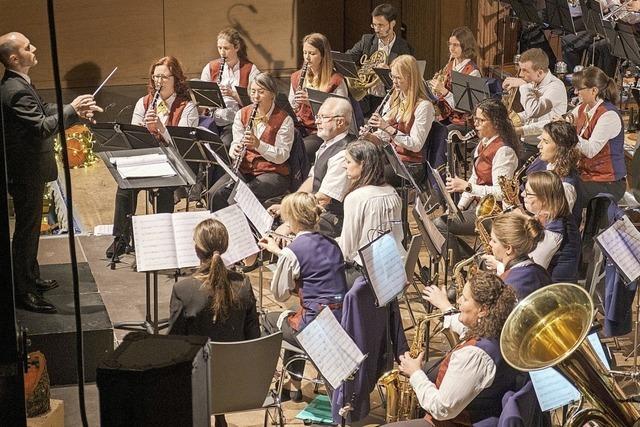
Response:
column 161, row 77
column 378, row 26
column 479, row 120
column 454, row 44
column 527, row 194
column 325, row 118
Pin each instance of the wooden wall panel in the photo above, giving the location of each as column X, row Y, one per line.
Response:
column 357, row 21
column 326, row 17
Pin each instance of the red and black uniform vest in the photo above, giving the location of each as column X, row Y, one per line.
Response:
column 253, row 163
column 407, row 156
column 245, row 71
column 483, row 164
column 305, row 114
column 176, row 108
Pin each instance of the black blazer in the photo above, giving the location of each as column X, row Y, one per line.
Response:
column 29, row 126
column 369, row 44
column 191, row 313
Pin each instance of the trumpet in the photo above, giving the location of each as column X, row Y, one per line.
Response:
column 238, row 160
column 367, row 127
column 619, row 12
column 223, row 61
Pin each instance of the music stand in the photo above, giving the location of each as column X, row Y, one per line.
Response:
column 340, row 56
column 113, row 136
column 347, row 67
column 243, row 94
column 385, row 76
column 592, row 17
column 559, row 16
column 525, row 11
column 206, row 94
column 468, row 91
column 317, row 98
column 189, row 143
column 623, row 41
column 282, row 101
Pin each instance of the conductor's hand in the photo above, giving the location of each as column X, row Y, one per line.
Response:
column 274, row 210
column 511, row 82
column 250, row 140
column 437, row 297
column 409, row 365
column 85, row 106
column 270, row 244
column 456, row 185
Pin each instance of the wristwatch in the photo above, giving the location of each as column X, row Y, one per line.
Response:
column 467, row 189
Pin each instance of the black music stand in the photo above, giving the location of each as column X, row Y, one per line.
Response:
column 282, row 101
column 206, row 94
column 189, row 142
column 113, row 136
column 592, row 18
column 385, row 77
column 623, row 41
column 525, row 11
column 243, row 94
column 317, row 98
column 346, row 66
column 559, row 16
column 468, row 91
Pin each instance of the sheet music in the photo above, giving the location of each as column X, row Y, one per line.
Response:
column 252, row 208
column 184, row 223
column 155, row 246
column 221, row 162
column 621, row 242
column 144, row 166
column 384, row 267
column 332, row 350
column 451, row 206
column 434, row 234
column 241, row 241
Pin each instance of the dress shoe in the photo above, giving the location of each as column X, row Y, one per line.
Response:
column 33, row 302
column 43, row 285
column 119, row 246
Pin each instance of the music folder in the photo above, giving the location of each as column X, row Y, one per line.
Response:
column 621, row 244
column 384, row 268
column 113, row 136
column 345, row 65
column 206, row 94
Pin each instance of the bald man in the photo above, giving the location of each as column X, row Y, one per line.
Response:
column 29, row 126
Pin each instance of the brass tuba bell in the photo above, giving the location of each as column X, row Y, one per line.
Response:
column 548, row 329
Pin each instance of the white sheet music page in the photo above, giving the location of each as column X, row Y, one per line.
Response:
column 332, row 350
column 241, row 241
column 184, row 223
column 621, row 242
column 221, row 162
column 434, row 234
column 252, row 208
column 385, row 268
column 155, row 246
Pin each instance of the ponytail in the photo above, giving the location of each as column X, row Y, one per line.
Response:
column 595, row 77
column 521, row 232
column 218, row 286
column 610, row 91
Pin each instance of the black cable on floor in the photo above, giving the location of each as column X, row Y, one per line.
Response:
column 70, row 222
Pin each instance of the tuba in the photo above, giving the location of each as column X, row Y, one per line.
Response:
column 367, row 77
column 548, row 329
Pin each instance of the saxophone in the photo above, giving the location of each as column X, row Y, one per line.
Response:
column 511, row 186
column 508, row 100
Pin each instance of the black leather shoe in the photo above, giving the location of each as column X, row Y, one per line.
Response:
column 45, row 285
column 120, row 247
column 33, row 302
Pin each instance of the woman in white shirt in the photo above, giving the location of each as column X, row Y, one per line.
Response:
column 406, row 119
column 468, row 385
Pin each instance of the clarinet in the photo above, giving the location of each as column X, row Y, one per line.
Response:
column 223, row 61
column 367, row 127
column 303, row 76
column 238, row 160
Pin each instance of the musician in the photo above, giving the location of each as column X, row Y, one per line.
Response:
column 371, row 205
column 513, row 237
column 559, row 251
column 319, row 75
column 327, row 179
column 558, row 153
column 214, row 302
column 173, row 108
column 469, row 383
column 495, row 156
column 312, row 266
column 600, row 136
column 542, row 95
column 267, row 142
column 462, row 53
column 237, row 71
column 406, row 119
column 383, row 22
column 29, row 126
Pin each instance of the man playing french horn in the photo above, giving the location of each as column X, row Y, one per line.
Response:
column 542, row 95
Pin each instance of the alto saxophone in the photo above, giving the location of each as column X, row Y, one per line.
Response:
column 511, row 186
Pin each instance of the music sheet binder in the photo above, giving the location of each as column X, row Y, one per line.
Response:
column 385, row 76
column 259, row 217
column 383, row 268
column 345, row 65
column 621, row 244
column 243, row 94
column 331, row 349
column 165, row 241
column 468, row 91
column 592, row 17
column 559, row 16
column 317, row 97
column 206, row 94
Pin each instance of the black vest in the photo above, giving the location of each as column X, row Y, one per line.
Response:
column 320, row 170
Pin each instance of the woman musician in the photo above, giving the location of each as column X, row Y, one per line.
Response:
column 260, row 146
column 231, row 70
column 312, row 266
column 317, row 73
column 600, row 135
column 167, row 103
column 405, row 120
column 468, row 385
column 496, row 155
column 462, row 53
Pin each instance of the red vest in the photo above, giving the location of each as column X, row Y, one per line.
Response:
column 446, row 110
column 305, row 114
column 245, row 71
column 483, row 164
column 176, row 109
column 405, row 155
column 253, row 162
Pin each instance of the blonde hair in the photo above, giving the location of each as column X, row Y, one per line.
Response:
column 407, row 67
column 521, row 232
column 323, row 79
column 211, row 241
column 548, row 187
column 301, row 209
column 539, row 60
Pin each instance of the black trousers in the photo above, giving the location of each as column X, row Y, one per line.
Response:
column 27, row 202
column 264, row 187
column 590, row 189
column 460, row 249
column 126, row 202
